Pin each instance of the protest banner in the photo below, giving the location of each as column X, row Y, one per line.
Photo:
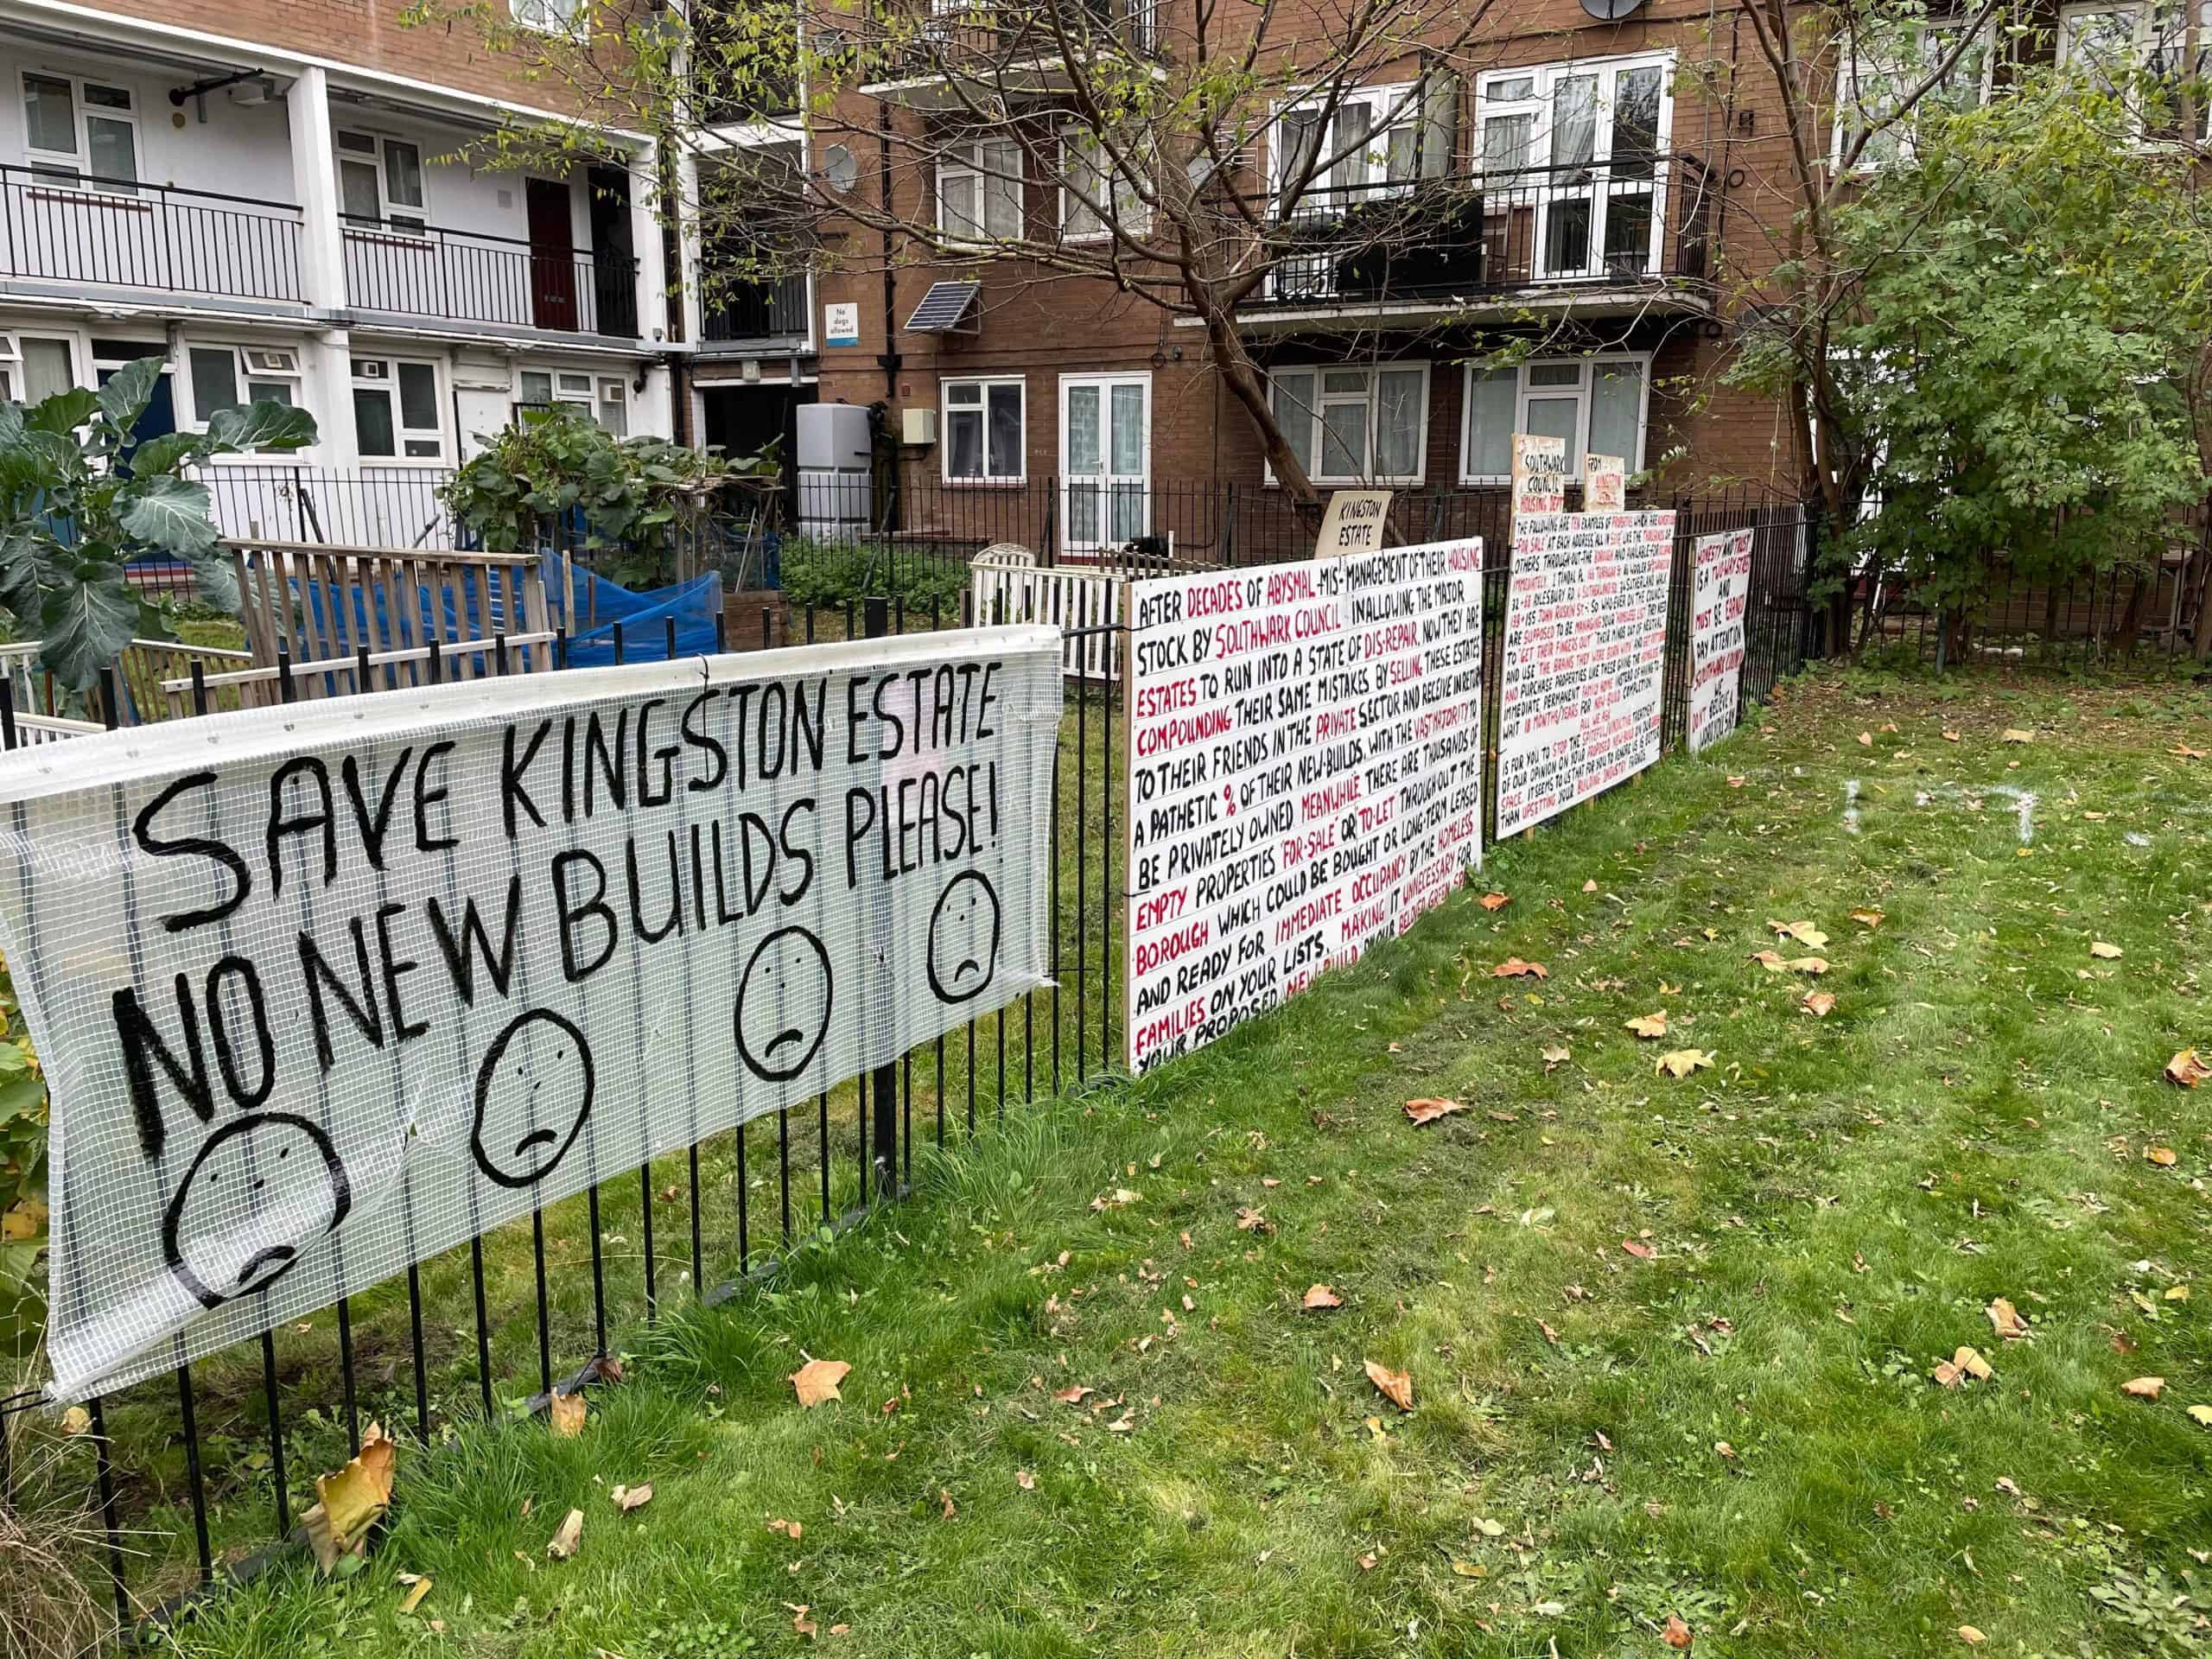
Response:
column 1604, row 484
column 322, row 990
column 1353, row 522
column 1305, row 776
column 1720, row 586
column 1586, row 643
column 1539, row 474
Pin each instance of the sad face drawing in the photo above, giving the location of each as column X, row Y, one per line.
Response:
column 533, row 1092
column 783, row 1004
column 263, row 1188
column 964, row 943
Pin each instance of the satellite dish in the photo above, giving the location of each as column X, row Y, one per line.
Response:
column 1611, row 11
column 840, row 169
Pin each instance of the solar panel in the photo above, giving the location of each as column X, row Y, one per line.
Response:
column 943, row 308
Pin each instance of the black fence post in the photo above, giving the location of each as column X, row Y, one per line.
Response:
column 883, row 1084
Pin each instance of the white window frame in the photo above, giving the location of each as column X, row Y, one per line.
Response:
column 192, row 419
column 11, row 359
column 1322, row 399
column 1128, row 204
column 79, row 159
column 1857, row 71
column 982, row 383
column 1373, row 164
column 557, row 17
column 590, row 397
column 401, row 434
column 988, row 180
column 2143, row 23
column 1113, row 487
column 382, row 143
column 1584, row 392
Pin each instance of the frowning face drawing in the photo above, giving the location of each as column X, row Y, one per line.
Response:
column 963, row 944
column 263, row 1188
column 533, row 1092
column 783, row 1004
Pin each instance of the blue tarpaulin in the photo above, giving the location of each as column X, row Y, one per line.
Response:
column 589, row 607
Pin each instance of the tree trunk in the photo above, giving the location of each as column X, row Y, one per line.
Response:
column 1249, row 388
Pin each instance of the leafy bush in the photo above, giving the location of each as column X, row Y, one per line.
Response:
column 639, row 498
column 80, row 497
column 831, row 574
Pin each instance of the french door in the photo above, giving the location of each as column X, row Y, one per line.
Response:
column 1105, row 460
column 1574, row 168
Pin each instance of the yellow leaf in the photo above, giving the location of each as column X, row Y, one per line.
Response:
column 1396, row 1387
column 1681, row 1062
column 2005, row 1320
column 1120, row 1197
column 2201, row 1415
column 1322, row 1296
column 2165, row 1157
column 1650, row 1025
column 1427, row 1111
column 2187, row 1070
column 1770, row 960
column 1556, row 1054
column 76, row 1421
column 817, row 1381
column 2177, row 1292
column 1813, row 965
column 2109, row 952
column 2144, row 1387
column 352, row 1500
column 24, row 1220
column 566, row 1413
column 1869, row 919
column 1950, row 737
column 417, row 1587
column 1971, row 1636
column 564, row 1542
column 2014, row 734
column 1805, row 933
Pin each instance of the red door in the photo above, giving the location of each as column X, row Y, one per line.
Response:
column 552, row 256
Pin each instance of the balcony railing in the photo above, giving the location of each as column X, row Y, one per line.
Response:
column 746, row 312
column 117, row 232
column 1632, row 220
column 466, row 276
column 1002, row 33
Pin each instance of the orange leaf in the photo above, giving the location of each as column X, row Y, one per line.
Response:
column 1770, row 960
column 1514, row 968
column 1638, row 1248
column 2005, row 1320
column 1647, row 1025
column 1072, row 1395
column 1396, row 1387
column 1427, row 1111
column 2187, row 1070
column 2144, row 1387
column 817, row 1381
column 1494, row 901
column 566, row 1413
column 1820, row 1004
column 2165, row 1157
column 1322, row 1296
column 1869, row 919
column 1677, row 1634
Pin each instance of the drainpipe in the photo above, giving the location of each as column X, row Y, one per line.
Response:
column 890, row 359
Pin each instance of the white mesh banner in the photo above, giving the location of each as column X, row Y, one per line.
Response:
column 323, row 990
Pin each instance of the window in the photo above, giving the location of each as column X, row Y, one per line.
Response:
column 33, row 369
column 227, row 377
column 552, row 16
column 605, row 399
column 2110, row 45
column 396, row 409
column 1596, row 405
column 1355, row 425
column 1874, row 79
column 1377, row 141
column 81, row 131
column 1582, row 149
column 979, row 191
column 380, row 183
column 984, row 430
column 1093, row 172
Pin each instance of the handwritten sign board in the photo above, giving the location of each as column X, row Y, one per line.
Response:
column 1604, row 484
column 1353, row 522
column 1586, row 642
column 324, row 990
column 1539, row 474
column 1720, row 582
column 1304, row 773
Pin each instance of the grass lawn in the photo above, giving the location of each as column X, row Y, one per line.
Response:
column 1671, row 1340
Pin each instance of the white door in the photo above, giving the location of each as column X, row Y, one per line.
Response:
column 1605, row 142
column 1105, row 460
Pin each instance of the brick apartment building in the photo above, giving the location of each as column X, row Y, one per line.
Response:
column 262, row 193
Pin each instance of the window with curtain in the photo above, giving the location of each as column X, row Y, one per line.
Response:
column 1873, row 80
column 979, row 191
column 1592, row 405
column 983, row 436
column 1350, row 425
column 1098, row 180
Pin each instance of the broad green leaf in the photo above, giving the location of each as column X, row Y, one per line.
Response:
column 11, row 423
column 174, row 514
column 63, row 413
column 23, row 558
column 260, row 426
column 162, row 454
column 123, row 398
column 84, row 625
column 218, row 581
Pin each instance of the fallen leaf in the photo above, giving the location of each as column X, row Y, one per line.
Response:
column 1638, row 1248
column 1427, row 1111
column 1396, row 1387
column 1322, row 1296
column 352, row 1501
column 1805, row 933
column 1556, row 1054
column 1123, row 1425
column 1120, row 1198
column 1514, row 968
column 1681, row 1062
column 791, row 1529
column 1971, row 1636
column 1950, row 737
column 418, row 1586
column 2186, row 753
column 1819, row 1004
column 950, row 1508
column 1648, row 1026
column 1073, row 1394
column 2109, row 952
column 817, row 1381
column 800, row 1622
column 1813, row 965
column 2201, row 1415
column 628, row 1498
column 1470, row 1570
column 564, row 1542
column 1494, row 901
column 2014, row 734
column 1869, row 919
column 1966, row 1363
column 2144, row 1387
column 1771, row 960
column 1677, row 1634
column 1589, row 887
column 1024, row 1480
column 2005, row 1320
column 76, row 1421
column 2187, row 1070
column 1867, row 740
column 566, row 1413
column 1251, row 1220
column 1725, row 1450
column 2165, row 1157
column 1367, row 1562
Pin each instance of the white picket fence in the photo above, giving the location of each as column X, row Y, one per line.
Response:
column 1006, row 584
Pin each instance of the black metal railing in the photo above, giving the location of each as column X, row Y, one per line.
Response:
column 742, row 313
column 117, row 232
column 1636, row 219
column 397, row 265
column 1003, row 35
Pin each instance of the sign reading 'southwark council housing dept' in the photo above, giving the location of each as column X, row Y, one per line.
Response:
column 324, row 990
column 1305, row 774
